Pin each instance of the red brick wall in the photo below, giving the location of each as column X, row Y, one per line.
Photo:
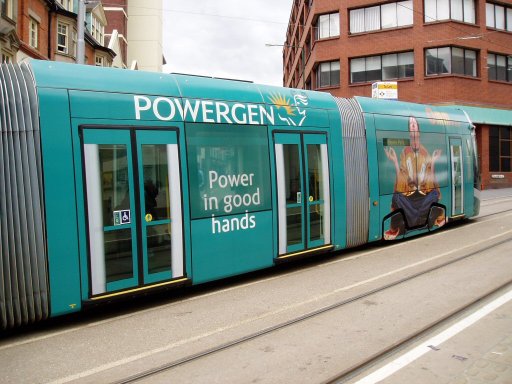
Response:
column 424, row 89
column 39, row 9
column 117, row 20
column 446, row 89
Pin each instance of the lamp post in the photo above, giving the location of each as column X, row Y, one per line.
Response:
column 80, row 47
column 303, row 59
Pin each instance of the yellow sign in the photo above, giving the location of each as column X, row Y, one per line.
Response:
column 385, row 90
column 149, row 218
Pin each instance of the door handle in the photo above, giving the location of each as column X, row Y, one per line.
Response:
column 299, row 197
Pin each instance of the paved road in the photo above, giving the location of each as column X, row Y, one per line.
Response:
column 102, row 348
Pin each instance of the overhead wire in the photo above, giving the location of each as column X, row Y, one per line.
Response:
column 465, row 35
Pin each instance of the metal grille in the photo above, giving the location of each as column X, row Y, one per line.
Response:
column 23, row 261
column 356, row 171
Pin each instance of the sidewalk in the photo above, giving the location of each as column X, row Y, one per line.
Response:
column 496, row 193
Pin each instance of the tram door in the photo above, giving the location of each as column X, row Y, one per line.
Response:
column 457, row 176
column 303, row 192
column 133, row 195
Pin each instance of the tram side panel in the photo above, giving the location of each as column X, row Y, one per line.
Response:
column 413, row 178
column 230, row 199
column 60, row 201
column 338, row 188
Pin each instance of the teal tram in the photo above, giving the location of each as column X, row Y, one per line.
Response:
column 115, row 182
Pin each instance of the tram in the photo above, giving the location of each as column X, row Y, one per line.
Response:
column 116, row 182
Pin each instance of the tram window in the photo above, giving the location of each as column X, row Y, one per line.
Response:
column 118, row 255
column 114, row 180
column 156, row 181
column 228, row 169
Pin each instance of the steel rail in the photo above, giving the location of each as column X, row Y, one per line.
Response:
column 309, row 315
column 382, row 355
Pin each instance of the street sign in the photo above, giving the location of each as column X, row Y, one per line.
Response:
column 387, row 90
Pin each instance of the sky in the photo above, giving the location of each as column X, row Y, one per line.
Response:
column 226, row 38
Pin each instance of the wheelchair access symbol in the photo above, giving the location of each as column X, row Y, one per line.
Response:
column 122, row 217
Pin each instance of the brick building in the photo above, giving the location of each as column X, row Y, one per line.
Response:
column 117, row 29
column 456, row 52
column 47, row 30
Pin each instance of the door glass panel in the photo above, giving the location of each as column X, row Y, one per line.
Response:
column 315, row 185
column 293, row 185
column 292, row 174
column 114, row 180
column 115, row 196
column 294, row 225
column 457, row 177
column 118, row 255
column 158, row 239
column 315, row 173
column 316, row 222
column 156, row 181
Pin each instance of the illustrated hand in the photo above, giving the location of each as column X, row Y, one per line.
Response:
column 436, row 155
column 391, row 154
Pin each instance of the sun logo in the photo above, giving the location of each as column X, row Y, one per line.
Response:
column 281, row 101
column 295, row 109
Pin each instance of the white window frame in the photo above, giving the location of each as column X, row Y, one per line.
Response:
column 67, row 4
column 333, row 67
column 99, row 61
column 9, row 9
column 7, row 58
column 503, row 23
column 448, row 10
column 98, row 30
column 332, row 22
column 33, row 33
column 370, row 19
column 63, row 48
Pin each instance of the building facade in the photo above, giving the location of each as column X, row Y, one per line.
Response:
column 145, row 34
column 456, row 52
column 47, row 30
column 116, row 31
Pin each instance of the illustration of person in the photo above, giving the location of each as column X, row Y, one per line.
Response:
column 416, row 187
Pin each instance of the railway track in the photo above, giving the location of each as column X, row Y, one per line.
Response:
column 381, row 356
column 354, row 370
column 301, row 269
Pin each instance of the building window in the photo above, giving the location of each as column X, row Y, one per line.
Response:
column 33, row 31
column 500, row 149
column 460, row 10
column 6, row 58
column 450, row 60
column 499, row 67
column 62, row 38
column 392, row 15
column 386, row 67
column 67, row 4
column 328, row 74
column 98, row 30
column 328, row 26
column 7, row 8
column 498, row 16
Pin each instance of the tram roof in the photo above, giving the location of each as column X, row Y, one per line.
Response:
column 426, row 111
column 50, row 74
